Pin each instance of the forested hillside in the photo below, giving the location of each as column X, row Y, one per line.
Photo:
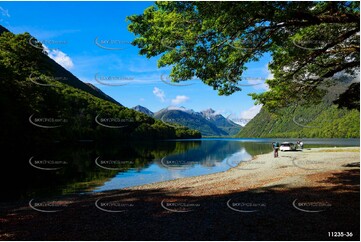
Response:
column 321, row 121
column 40, row 101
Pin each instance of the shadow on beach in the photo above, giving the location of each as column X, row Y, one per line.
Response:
column 271, row 215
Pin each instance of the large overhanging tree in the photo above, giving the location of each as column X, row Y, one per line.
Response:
column 310, row 42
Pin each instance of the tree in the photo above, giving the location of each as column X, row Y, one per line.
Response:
column 310, row 42
column 29, row 88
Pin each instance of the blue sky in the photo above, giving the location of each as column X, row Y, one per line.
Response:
column 91, row 40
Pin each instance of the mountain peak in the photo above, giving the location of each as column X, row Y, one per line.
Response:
column 208, row 112
column 144, row 110
column 138, row 107
column 208, row 122
column 176, row 108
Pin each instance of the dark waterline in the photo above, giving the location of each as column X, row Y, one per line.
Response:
column 158, row 171
column 89, row 168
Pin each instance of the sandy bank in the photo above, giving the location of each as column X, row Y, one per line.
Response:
column 326, row 177
column 290, row 169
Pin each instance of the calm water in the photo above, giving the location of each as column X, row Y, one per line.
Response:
column 60, row 170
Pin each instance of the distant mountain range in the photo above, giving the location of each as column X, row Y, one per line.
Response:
column 208, row 122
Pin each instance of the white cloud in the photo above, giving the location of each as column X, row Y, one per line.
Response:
column 4, row 12
column 268, row 72
column 177, row 108
column 60, row 57
column 270, row 76
column 141, row 99
column 179, row 99
column 159, row 93
column 251, row 112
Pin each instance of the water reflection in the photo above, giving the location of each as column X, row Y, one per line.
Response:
column 200, row 158
column 64, row 169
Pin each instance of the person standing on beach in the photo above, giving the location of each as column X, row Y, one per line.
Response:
column 275, row 146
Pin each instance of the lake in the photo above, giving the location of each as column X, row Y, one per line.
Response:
column 86, row 167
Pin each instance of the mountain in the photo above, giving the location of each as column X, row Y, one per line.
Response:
column 221, row 122
column 61, row 74
column 144, row 110
column 317, row 121
column 3, row 29
column 207, row 122
column 42, row 102
column 99, row 93
column 64, row 76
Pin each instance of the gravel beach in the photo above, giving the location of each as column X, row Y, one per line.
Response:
column 300, row 195
column 290, row 169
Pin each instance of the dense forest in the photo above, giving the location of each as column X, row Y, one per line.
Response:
column 316, row 121
column 42, row 102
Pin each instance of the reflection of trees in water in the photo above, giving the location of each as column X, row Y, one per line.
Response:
column 77, row 174
column 254, row 148
column 157, row 150
column 81, row 173
column 212, row 152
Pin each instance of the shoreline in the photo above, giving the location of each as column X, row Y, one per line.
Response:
column 265, row 166
column 327, row 178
